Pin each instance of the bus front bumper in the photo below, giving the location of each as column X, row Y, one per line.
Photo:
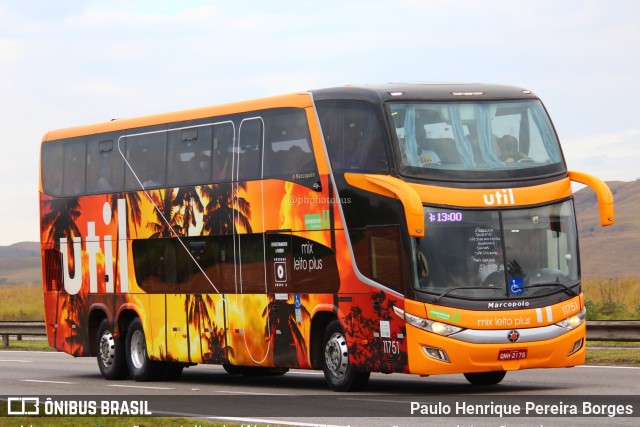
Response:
column 432, row 354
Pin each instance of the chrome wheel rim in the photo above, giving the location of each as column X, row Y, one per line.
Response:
column 336, row 355
column 107, row 349
column 138, row 349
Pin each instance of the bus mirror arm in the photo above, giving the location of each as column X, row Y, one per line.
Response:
column 603, row 192
column 393, row 187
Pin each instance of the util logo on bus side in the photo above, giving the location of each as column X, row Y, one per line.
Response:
column 92, row 247
column 500, row 197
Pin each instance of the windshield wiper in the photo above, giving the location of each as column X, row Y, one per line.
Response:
column 540, row 285
column 544, row 285
column 439, row 297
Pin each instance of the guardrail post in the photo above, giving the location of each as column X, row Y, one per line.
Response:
column 5, row 340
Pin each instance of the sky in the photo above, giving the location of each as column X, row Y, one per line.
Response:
column 70, row 62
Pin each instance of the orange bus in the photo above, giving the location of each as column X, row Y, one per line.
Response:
column 422, row 229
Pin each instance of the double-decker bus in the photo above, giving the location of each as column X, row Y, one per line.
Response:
column 424, row 229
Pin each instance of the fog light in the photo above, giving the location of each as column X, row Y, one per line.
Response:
column 576, row 346
column 436, row 353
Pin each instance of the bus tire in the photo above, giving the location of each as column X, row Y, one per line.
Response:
column 338, row 372
column 111, row 354
column 140, row 366
column 485, row 378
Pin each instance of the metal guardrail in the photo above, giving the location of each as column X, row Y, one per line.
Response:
column 613, row 330
column 597, row 330
column 18, row 329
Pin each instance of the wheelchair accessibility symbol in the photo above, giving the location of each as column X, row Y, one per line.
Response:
column 516, row 286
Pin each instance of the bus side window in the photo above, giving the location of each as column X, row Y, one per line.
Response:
column 189, row 156
column 378, row 253
column 146, row 154
column 75, row 158
column 250, row 149
column 52, row 167
column 223, row 137
column 354, row 136
column 287, row 144
column 105, row 168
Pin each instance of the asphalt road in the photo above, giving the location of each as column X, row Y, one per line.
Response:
column 302, row 397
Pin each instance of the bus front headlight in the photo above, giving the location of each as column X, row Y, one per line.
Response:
column 573, row 321
column 439, row 328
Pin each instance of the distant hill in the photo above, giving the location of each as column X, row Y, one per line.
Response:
column 20, row 263
column 606, row 252
column 612, row 251
column 20, row 250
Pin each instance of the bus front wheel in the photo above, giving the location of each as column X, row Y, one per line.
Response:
column 140, row 366
column 111, row 358
column 338, row 372
column 485, row 378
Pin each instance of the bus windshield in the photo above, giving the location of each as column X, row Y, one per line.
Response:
column 479, row 136
column 482, row 254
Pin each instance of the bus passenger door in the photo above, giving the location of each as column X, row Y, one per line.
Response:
column 283, row 313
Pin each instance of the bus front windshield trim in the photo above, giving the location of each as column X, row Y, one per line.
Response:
column 498, row 254
column 473, row 136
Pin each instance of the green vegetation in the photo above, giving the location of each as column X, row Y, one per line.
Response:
column 35, row 345
column 612, row 299
column 613, row 353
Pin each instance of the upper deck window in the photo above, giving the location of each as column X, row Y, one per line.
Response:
column 354, row 136
column 478, row 137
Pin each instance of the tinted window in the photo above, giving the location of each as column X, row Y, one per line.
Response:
column 75, row 157
column 224, row 134
column 105, row 167
column 354, row 136
column 287, row 145
column 52, row 165
column 251, row 262
column 189, row 155
column 145, row 154
column 250, row 149
column 378, row 255
column 165, row 265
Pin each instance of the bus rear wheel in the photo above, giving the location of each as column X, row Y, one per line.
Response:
column 140, row 366
column 338, row 372
column 111, row 354
column 485, row 378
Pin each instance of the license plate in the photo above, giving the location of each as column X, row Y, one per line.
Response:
column 512, row 354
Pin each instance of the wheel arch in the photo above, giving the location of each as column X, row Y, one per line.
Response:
column 125, row 317
column 319, row 324
column 97, row 313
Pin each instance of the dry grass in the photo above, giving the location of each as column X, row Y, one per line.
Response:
column 21, row 302
column 625, row 291
column 612, row 298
